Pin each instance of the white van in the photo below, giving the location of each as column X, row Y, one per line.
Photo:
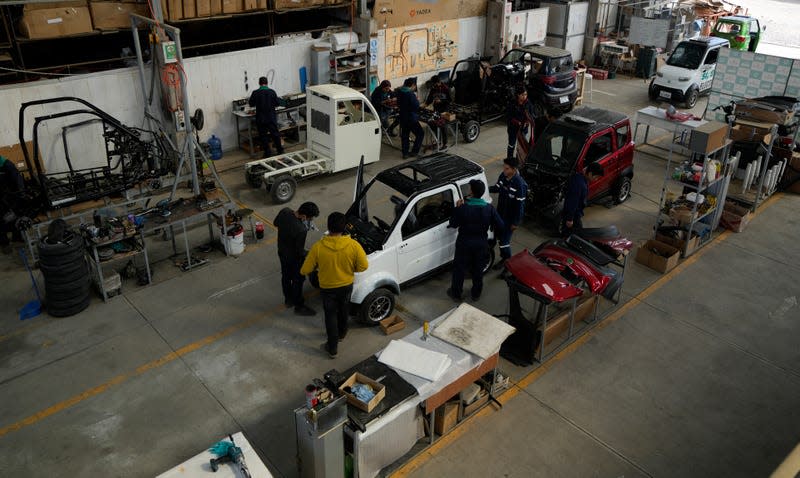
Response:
column 689, row 71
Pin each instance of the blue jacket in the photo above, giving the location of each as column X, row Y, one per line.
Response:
column 511, row 197
column 265, row 101
column 575, row 198
column 473, row 220
column 378, row 97
column 517, row 114
column 408, row 105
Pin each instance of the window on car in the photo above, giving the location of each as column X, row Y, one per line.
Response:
column 622, row 135
column 350, row 112
column 600, row 147
column 427, row 212
column 559, row 65
column 687, row 55
column 712, row 56
column 558, row 148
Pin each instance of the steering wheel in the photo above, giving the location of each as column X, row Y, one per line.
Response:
column 382, row 224
column 428, row 215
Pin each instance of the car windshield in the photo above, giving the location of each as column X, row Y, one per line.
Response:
column 727, row 27
column 560, row 65
column 514, row 56
column 687, row 55
column 371, row 220
column 557, row 149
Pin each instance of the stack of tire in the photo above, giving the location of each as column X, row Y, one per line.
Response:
column 66, row 273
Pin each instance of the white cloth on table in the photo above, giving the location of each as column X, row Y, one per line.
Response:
column 410, row 358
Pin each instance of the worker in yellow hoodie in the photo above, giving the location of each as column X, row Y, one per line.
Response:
column 337, row 258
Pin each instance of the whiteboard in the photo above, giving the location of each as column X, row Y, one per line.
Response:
column 648, row 32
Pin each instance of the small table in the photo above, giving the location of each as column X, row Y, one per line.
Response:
column 200, row 464
column 245, row 135
column 654, row 116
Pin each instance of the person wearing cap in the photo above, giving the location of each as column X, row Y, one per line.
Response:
column 408, row 106
column 265, row 100
column 472, row 217
column 382, row 98
column 575, row 198
column 292, row 229
column 337, row 257
column 512, row 192
column 519, row 113
column 11, row 184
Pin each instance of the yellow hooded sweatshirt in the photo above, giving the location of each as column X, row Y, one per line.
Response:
column 337, row 258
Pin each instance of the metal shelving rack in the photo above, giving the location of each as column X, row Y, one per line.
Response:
column 702, row 224
column 357, row 76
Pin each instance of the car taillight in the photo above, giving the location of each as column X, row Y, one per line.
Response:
column 548, row 80
column 574, row 73
column 739, row 38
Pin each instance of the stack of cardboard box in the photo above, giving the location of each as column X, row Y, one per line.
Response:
column 56, row 19
column 115, row 15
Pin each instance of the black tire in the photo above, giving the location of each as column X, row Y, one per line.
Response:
column 651, row 91
column 58, row 311
column 255, row 176
column 63, row 260
column 377, row 306
column 67, row 296
column 472, row 129
column 61, row 287
column 65, row 302
column 539, row 109
column 283, row 189
column 73, row 242
column 65, row 273
column 691, row 97
column 622, row 190
column 491, row 260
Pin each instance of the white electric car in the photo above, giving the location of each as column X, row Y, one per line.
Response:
column 401, row 218
column 689, row 71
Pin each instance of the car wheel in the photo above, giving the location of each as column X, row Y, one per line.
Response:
column 283, row 189
column 255, row 176
column 538, row 109
column 376, row 306
column 651, row 92
column 691, row 97
column 622, row 190
column 471, row 131
column 491, row 260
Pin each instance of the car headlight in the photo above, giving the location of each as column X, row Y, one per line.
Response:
column 684, row 78
column 660, row 75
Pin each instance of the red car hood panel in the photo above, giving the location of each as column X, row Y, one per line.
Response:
column 595, row 279
column 529, row 271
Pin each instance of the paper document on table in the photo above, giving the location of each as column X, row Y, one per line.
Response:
column 473, row 330
column 415, row 360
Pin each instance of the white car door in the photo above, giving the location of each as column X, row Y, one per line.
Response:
column 427, row 242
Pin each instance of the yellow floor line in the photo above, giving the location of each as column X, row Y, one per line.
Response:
column 419, row 460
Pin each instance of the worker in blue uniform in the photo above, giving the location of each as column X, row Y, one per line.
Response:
column 519, row 115
column 408, row 112
column 512, row 192
column 265, row 100
column 473, row 217
column 575, row 199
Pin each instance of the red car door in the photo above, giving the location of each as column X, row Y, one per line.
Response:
column 601, row 148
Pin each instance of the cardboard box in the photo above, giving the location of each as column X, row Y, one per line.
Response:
column 657, row 256
column 115, row 15
column 682, row 215
column 14, row 154
column 203, row 8
column 174, row 10
column 446, row 417
column 48, row 5
column 749, row 131
column 735, row 217
column 483, row 397
column 250, row 5
column 708, row 137
column 216, row 7
column 284, row 4
column 189, row 9
column 392, row 324
column 680, row 243
column 380, row 392
column 232, row 6
column 55, row 22
column 763, row 113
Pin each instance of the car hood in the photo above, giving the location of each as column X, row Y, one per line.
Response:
column 671, row 72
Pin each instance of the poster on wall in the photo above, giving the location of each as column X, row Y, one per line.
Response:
column 414, row 50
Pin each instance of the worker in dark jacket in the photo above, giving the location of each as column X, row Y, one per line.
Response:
column 11, row 184
column 575, row 198
column 408, row 105
column 439, row 100
column 265, row 100
column 292, row 229
column 383, row 99
column 518, row 114
column 473, row 218
column 511, row 191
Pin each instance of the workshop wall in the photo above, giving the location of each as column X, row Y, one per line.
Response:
column 213, row 82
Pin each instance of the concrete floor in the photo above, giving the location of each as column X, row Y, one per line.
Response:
column 696, row 375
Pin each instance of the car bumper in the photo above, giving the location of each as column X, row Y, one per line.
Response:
column 557, row 101
column 659, row 92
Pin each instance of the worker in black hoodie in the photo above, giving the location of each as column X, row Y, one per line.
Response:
column 292, row 229
column 265, row 100
column 575, row 199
